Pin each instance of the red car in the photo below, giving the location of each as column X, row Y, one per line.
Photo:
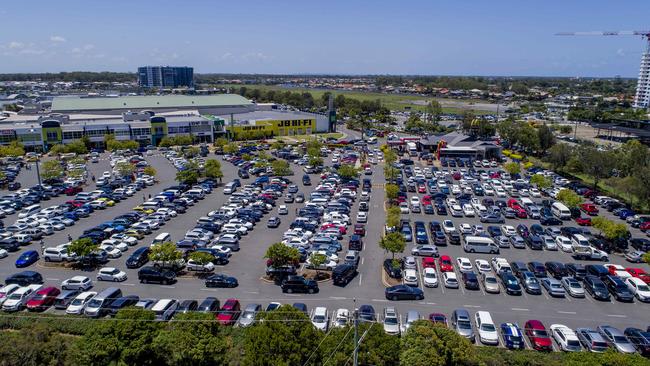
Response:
column 538, row 336
column 589, row 208
column 341, row 228
column 456, row 176
column 422, row 188
column 71, row 191
column 75, row 203
column 229, row 313
column 640, row 274
column 426, row 200
column 360, row 229
column 446, row 264
column 43, row 299
column 437, row 318
column 513, row 204
column 583, row 221
column 428, row 262
column 521, row 213
column 645, row 226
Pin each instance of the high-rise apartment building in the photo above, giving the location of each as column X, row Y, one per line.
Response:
column 642, row 97
column 165, row 76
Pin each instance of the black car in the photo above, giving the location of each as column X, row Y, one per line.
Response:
column 393, row 271
column 342, row 274
column 576, row 270
column 453, row 237
column 510, row 283
column 618, row 288
column 556, row 269
column 367, row 313
column 293, row 284
column 470, row 280
column 355, row 243
column 404, row 292
column 494, row 231
column 274, row 222
column 121, row 303
column 221, row 280
column 640, row 339
column 9, row 244
column 150, row 274
column 641, row 244
column 306, row 181
column 534, row 242
column 209, row 305
column 549, row 220
column 188, row 306
column 597, row 270
column 537, row 268
column 138, row 258
column 596, row 288
column 24, row 278
column 518, row 267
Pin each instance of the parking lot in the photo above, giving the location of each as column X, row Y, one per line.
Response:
column 248, row 264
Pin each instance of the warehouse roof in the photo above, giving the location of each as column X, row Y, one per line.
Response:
column 63, row 104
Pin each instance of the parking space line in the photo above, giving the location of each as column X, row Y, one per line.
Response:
column 128, row 284
column 567, row 312
column 568, row 298
column 589, row 299
column 53, row 279
column 545, row 295
column 616, row 316
column 360, row 278
column 519, row 309
column 378, row 300
column 362, row 258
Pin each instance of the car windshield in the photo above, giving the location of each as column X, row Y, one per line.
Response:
column 620, row 339
column 14, row 296
column 94, row 303
column 512, row 282
column 490, row 280
column 430, row 274
column 574, row 284
column 642, row 288
column 251, row 315
column 464, row 324
column 390, row 320
column 488, row 327
column 540, row 333
column 39, row 297
column 77, row 301
column 573, row 343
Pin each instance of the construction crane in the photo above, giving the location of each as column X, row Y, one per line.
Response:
column 642, row 97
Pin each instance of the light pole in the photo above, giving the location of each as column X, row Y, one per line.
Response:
column 356, row 334
column 38, row 173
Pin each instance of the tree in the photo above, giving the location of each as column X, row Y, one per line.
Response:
column 125, row 169
column 377, row 347
column 76, row 173
column 558, row 155
column 281, row 167
column 391, row 191
column 57, row 149
column 201, row 258
column 509, row 130
column 595, row 163
column 632, row 156
column 512, row 168
column 165, row 253
column 281, row 255
column 610, row 229
column 149, row 170
column 189, row 175
column 315, row 161
column 393, row 242
column 281, row 337
column 112, row 144
column 347, row 172
column 195, row 339
column 393, row 215
column 230, row 148
column 77, row 147
column 569, row 198
column 391, row 173
column 434, row 110
column 15, row 148
column 646, row 257
column 545, row 137
column 427, row 344
column 212, row 169
column 51, row 169
column 278, row 144
column 541, row 181
column 220, row 142
column 82, row 247
column 528, row 138
column 390, row 156
column 317, row 260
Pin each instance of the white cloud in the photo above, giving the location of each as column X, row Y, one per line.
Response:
column 15, row 45
column 255, row 56
column 620, row 52
column 57, row 39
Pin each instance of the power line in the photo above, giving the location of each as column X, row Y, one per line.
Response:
column 337, row 346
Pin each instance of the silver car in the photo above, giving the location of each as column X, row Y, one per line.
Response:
column 391, row 321
column 573, row 287
column 591, row 340
column 490, row 283
column 425, row 251
column 248, row 316
column 553, row 287
column 462, row 324
column 616, row 339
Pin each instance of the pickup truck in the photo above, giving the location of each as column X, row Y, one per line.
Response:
column 589, row 253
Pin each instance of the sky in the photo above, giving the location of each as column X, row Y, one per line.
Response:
column 428, row 37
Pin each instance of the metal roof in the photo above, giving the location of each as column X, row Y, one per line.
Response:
column 62, row 104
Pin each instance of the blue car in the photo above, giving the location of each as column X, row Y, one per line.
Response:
column 512, row 336
column 27, row 258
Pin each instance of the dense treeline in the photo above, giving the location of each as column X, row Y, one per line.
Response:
column 281, row 337
column 78, row 76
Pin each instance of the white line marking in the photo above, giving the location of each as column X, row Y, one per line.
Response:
column 431, row 303
column 209, row 289
column 566, row 312
column 168, row 286
column 128, row 284
column 617, row 316
column 53, row 279
column 362, row 258
column 379, row 300
column 519, row 309
column 472, row 306
column 338, row 298
column 360, row 278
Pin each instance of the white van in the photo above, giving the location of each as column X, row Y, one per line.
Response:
column 28, row 211
column 578, row 240
column 480, row 244
column 560, row 211
column 487, row 331
column 165, row 309
column 526, row 202
column 161, row 238
column 229, row 188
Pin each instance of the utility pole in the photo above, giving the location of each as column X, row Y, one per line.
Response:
column 38, row 173
column 356, row 334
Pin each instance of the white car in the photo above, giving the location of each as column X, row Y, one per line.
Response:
column 508, row 230
column 465, row 228
column 450, row 280
column 78, row 305
column 342, row 318
column 111, row 274
column 564, row 243
column 404, row 208
column 81, row 283
column 464, row 264
column 6, row 291
column 167, row 211
column 535, row 193
column 283, row 210
column 117, row 244
column 549, row 242
column 468, row 210
column 192, row 265
column 362, row 217
column 640, row 289
column 448, row 226
column 3, row 253
column 320, row 318
column 482, row 265
column 565, row 337
column 328, row 265
column 222, row 250
column 112, row 251
column 430, row 277
column 410, row 277
column 129, row 240
column 415, row 201
column 487, row 331
column 456, row 210
column 500, row 192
